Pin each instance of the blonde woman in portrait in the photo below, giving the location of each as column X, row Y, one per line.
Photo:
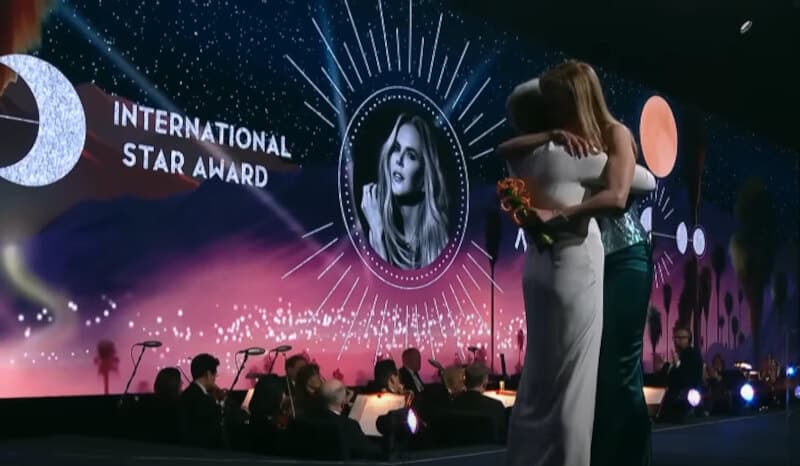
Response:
column 407, row 208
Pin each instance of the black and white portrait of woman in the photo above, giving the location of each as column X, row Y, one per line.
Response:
column 406, row 207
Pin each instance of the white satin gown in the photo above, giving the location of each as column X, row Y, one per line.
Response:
column 552, row 418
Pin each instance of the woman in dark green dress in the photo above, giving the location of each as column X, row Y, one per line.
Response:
column 621, row 433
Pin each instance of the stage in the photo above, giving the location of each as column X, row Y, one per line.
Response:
column 761, row 439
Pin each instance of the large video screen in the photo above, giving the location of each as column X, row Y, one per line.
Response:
column 221, row 175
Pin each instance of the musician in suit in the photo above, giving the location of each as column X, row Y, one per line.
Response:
column 683, row 373
column 292, row 366
column 409, row 373
column 473, row 400
column 356, row 442
column 386, row 378
column 200, row 412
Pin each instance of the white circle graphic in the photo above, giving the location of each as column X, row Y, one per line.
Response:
column 682, row 238
column 62, row 124
column 699, row 242
column 646, row 219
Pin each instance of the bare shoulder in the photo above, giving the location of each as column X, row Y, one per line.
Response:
column 616, row 133
column 619, row 139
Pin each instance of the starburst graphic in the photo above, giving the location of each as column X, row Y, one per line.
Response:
column 657, row 203
column 380, row 66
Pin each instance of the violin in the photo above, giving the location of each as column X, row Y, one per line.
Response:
column 284, row 416
column 409, row 394
column 217, row 393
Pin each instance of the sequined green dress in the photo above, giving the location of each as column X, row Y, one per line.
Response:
column 621, row 433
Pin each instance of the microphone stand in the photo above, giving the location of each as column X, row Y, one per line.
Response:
column 474, row 351
column 133, row 374
column 272, row 363
column 239, row 370
column 226, row 405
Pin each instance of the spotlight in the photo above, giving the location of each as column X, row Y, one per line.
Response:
column 412, row 422
column 791, row 371
column 747, row 393
column 398, row 425
column 693, row 397
column 797, row 392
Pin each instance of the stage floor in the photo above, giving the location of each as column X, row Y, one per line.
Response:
column 770, row 439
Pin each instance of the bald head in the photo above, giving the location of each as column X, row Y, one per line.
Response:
column 334, row 394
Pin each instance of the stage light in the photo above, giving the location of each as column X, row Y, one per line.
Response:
column 747, row 393
column 693, row 397
column 791, row 371
column 412, row 422
column 797, row 392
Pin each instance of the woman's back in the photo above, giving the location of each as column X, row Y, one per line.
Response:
column 556, row 179
column 551, row 424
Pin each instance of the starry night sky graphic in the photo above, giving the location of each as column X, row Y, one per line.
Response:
column 223, row 60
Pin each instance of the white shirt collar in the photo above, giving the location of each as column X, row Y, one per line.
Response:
column 205, row 392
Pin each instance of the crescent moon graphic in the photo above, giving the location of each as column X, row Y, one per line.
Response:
column 62, row 124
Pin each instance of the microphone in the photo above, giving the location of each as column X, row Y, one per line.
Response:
column 281, row 349
column 149, row 344
column 254, row 351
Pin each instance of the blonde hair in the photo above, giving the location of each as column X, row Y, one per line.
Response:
column 431, row 234
column 454, row 378
column 578, row 82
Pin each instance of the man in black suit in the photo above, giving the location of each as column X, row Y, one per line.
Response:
column 200, row 414
column 473, row 401
column 292, row 366
column 356, row 443
column 409, row 373
column 386, row 378
column 683, row 373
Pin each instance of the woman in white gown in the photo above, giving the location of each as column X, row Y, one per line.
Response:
column 552, row 419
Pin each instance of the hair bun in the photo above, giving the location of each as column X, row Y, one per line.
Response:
column 522, row 105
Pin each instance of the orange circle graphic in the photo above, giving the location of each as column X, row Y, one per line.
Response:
column 659, row 136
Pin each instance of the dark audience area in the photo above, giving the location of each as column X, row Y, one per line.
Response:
column 305, row 416
column 300, row 415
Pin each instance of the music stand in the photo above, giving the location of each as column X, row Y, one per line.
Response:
column 368, row 408
column 507, row 397
column 653, row 396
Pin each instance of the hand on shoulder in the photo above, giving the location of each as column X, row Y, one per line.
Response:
column 575, row 145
